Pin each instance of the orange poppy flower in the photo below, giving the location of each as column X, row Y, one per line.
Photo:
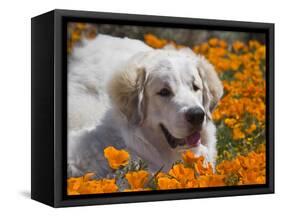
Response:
column 84, row 185
column 165, row 183
column 154, row 42
column 190, row 158
column 211, row 181
column 181, row 173
column 116, row 158
column 137, row 179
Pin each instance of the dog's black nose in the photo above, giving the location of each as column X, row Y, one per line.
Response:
column 195, row 116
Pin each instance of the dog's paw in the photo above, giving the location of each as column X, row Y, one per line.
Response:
column 202, row 150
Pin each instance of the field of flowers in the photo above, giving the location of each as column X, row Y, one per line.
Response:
column 239, row 117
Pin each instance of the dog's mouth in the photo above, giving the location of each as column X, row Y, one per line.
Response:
column 192, row 140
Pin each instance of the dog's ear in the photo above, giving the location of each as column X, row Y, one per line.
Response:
column 212, row 86
column 127, row 92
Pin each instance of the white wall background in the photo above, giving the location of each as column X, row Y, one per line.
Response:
column 15, row 106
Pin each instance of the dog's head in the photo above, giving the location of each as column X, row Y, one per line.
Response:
column 169, row 94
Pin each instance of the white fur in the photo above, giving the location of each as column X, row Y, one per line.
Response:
column 89, row 69
column 112, row 100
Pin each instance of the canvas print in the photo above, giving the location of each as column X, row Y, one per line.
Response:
column 159, row 108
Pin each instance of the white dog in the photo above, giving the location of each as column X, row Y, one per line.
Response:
column 154, row 103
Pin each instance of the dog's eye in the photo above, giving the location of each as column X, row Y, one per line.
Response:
column 165, row 92
column 195, row 87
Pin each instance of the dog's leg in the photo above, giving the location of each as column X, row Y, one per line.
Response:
column 208, row 139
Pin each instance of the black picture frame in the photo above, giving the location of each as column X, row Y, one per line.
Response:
column 49, row 107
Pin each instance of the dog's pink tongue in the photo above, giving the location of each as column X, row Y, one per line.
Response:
column 193, row 140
